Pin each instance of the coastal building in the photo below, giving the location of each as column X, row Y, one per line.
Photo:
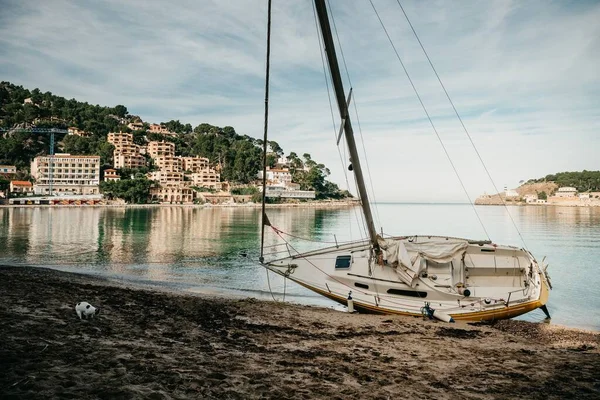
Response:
column 530, row 198
column 584, row 196
column 510, row 193
column 282, row 162
column 128, row 160
column 119, row 139
column 292, row 186
column 162, row 148
column 126, row 148
column 21, row 187
column 277, row 175
column 123, row 143
column 194, row 164
column 166, row 177
column 283, row 192
column 172, row 194
column 126, row 153
column 69, row 174
column 156, row 128
column 566, row 191
column 28, row 101
column 135, row 126
column 216, row 198
column 111, row 175
column 207, row 178
column 169, row 163
column 77, row 132
column 7, row 169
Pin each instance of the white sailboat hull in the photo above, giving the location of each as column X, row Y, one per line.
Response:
column 474, row 281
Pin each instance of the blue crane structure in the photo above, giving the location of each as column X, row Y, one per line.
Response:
column 51, row 132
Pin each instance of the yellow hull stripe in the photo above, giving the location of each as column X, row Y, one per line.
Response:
column 489, row 315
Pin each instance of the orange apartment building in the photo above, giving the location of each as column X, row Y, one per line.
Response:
column 169, row 163
column 162, row 148
column 126, row 153
column 194, row 164
column 207, row 178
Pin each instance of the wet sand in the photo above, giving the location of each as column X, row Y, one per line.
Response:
column 147, row 344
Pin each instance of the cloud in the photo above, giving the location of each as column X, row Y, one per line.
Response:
column 523, row 75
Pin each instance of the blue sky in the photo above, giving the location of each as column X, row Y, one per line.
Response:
column 523, row 74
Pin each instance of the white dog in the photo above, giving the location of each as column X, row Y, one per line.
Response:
column 85, row 309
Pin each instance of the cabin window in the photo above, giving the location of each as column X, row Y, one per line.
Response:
column 361, row 285
column 409, row 293
column 343, row 262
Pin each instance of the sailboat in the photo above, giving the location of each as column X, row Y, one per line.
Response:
column 446, row 277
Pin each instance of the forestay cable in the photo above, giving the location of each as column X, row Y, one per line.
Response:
column 430, row 120
column 462, row 123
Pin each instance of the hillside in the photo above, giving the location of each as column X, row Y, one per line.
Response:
column 239, row 157
column 584, row 181
column 543, row 188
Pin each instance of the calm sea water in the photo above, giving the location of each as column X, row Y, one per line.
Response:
column 199, row 249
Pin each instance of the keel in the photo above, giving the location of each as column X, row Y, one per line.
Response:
column 545, row 310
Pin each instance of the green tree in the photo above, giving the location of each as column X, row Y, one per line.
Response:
column 275, row 148
column 120, row 111
column 4, row 184
column 133, row 191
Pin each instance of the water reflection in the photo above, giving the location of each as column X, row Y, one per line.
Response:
column 198, row 248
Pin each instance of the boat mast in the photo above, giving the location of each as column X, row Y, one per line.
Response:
column 264, row 219
column 343, row 106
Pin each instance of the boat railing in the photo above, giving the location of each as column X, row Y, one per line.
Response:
column 523, row 290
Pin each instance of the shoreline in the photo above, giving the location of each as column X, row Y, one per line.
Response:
column 317, row 204
column 167, row 345
column 314, row 204
column 582, row 205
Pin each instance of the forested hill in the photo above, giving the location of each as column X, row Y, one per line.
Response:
column 240, row 156
column 583, row 181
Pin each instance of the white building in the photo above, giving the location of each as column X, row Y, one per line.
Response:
column 277, row 175
column 283, row 192
column 111, row 175
column 21, row 187
column 8, row 169
column 77, row 132
column 510, row 193
column 70, row 174
column 566, row 191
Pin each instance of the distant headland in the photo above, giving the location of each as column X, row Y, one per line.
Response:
column 575, row 189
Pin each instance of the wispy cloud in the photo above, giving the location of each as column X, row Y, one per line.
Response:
column 524, row 76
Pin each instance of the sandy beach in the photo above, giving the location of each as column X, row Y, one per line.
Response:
column 162, row 345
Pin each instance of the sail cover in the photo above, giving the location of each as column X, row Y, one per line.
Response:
column 408, row 256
